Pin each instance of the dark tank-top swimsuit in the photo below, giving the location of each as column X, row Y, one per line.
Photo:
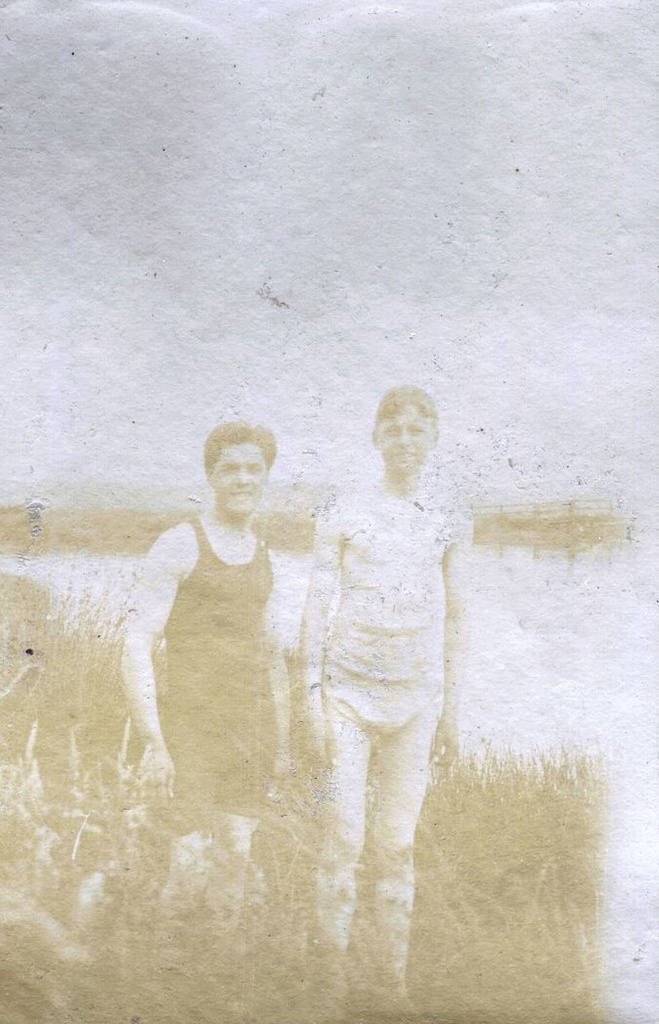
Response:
column 216, row 706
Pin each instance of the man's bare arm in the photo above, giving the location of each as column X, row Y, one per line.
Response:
column 456, row 644
column 325, row 578
column 169, row 561
column 279, row 682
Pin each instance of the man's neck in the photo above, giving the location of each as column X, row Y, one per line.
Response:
column 238, row 524
column 401, row 486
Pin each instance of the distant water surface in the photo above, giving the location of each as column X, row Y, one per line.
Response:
column 561, row 651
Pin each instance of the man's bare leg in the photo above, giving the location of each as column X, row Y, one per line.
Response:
column 211, row 866
column 336, row 888
column 401, row 774
column 189, row 861
column 226, row 890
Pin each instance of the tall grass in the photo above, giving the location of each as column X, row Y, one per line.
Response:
column 509, row 863
column 506, row 918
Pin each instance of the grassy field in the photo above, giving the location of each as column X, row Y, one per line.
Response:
column 506, row 918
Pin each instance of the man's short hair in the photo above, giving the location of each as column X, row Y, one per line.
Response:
column 402, row 397
column 238, row 432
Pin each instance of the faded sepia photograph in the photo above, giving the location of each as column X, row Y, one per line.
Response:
column 328, row 524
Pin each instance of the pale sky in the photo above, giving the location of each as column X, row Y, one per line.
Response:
column 463, row 202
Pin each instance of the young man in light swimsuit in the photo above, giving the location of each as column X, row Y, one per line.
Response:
column 383, row 647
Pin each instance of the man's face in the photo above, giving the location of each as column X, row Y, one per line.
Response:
column 238, row 479
column 405, row 440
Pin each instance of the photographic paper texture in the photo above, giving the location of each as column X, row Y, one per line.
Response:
column 328, row 527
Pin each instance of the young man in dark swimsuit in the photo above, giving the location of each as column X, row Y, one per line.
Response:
column 216, row 727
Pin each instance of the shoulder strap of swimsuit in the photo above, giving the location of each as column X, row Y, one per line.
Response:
column 203, row 543
column 206, row 552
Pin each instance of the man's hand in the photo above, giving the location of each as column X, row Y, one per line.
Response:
column 157, row 770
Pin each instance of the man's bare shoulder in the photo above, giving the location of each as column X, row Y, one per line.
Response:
column 449, row 510
column 329, row 511
column 175, row 552
column 458, row 562
column 344, row 511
